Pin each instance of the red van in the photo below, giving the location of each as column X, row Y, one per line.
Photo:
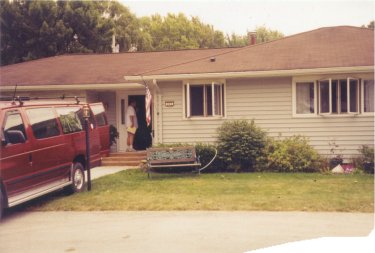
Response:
column 43, row 148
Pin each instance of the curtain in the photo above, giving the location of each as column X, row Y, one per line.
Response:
column 369, row 95
column 305, row 98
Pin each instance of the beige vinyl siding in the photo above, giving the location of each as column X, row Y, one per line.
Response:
column 269, row 102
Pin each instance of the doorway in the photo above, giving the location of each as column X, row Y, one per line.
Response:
column 142, row 138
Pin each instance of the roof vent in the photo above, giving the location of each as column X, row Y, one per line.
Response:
column 212, row 59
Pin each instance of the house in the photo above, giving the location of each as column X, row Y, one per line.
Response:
column 319, row 84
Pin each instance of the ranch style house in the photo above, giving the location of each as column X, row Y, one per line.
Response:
column 318, row 84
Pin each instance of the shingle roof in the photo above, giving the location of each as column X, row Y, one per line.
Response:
column 342, row 46
column 95, row 68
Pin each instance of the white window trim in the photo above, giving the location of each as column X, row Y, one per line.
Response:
column 317, row 113
column 294, row 99
column 362, row 96
column 186, row 115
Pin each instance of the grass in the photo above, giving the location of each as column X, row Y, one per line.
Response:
column 131, row 190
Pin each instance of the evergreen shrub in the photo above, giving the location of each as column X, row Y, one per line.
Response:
column 239, row 144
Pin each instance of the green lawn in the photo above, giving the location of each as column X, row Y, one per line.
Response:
column 131, row 190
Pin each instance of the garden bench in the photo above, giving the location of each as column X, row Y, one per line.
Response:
column 178, row 157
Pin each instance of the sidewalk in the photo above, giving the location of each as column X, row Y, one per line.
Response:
column 102, row 171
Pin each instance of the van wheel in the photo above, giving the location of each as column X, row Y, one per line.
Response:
column 78, row 179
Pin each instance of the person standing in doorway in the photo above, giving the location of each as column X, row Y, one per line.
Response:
column 131, row 123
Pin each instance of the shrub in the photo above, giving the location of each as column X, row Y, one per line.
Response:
column 206, row 153
column 292, row 154
column 239, row 144
column 113, row 135
column 365, row 162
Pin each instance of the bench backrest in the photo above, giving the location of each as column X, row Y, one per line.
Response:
column 171, row 155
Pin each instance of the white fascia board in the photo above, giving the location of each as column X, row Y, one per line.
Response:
column 254, row 74
column 74, row 87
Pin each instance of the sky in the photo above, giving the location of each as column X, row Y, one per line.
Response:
column 241, row 16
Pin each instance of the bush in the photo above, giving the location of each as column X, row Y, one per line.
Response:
column 206, row 153
column 239, row 144
column 113, row 135
column 365, row 162
column 292, row 154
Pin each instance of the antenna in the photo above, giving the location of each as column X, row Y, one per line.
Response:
column 14, row 93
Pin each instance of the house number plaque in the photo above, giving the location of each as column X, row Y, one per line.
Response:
column 169, row 103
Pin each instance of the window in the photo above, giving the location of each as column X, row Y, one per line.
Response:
column 14, row 129
column 339, row 96
column 43, row 122
column 305, row 98
column 333, row 96
column 368, row 95
column 204, row 100
column 99, row 114
column 71, row 119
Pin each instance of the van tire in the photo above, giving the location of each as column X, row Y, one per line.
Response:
column 78, row 179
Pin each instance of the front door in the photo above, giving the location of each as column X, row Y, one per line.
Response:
column 143, row 136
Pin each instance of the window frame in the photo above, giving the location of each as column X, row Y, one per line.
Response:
column 294, row 98
column 186, row 97
column 7, row 113
column 362, row 96
column 54, row 119
column 338, row 99
column 317, row 96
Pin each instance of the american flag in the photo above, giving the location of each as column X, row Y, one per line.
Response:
column 148, row 106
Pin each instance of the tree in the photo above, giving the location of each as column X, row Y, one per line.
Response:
column 370, row 25
column 36, row 29
column 265, row 34
column 176, row 31
column 235, row 40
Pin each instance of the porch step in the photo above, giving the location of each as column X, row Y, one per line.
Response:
column 124, row 159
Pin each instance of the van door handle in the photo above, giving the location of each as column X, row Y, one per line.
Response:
column 31, row 159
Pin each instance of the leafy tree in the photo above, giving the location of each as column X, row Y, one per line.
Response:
column 370, row 25
column 263, row 34
column 177, row 32
column 36, row 29
column 235, row 40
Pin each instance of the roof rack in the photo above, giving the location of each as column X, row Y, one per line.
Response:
column 21, row 99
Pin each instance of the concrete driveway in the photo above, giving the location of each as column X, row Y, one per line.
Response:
column 197, row 231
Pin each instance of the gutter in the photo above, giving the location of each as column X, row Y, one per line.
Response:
column 254, row 74
column 51, row 87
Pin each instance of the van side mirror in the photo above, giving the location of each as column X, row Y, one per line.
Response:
column 14, row 137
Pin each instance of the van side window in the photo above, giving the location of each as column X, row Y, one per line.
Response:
column 14, row 129
column 43, row 122
column 71, row 119
column 99, row 114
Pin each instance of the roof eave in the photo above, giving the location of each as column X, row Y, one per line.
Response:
column 252, row 74
column 50, row 87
